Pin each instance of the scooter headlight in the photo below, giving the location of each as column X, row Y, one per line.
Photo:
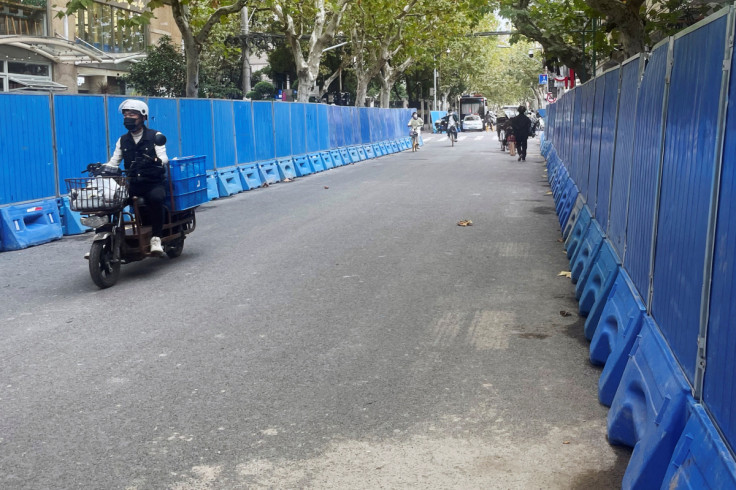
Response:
column 94, row 221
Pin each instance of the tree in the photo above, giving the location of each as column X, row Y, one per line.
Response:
column 627, row 27
column 262, row 91
column 162, row 73
column 315, row 20
column 194, row 34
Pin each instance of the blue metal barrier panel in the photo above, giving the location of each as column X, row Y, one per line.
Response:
column 81, row 137
column 350, row 124
column 595, row 143
column 608, row 140
column 27, row 170
column 588, row 90
column 720, row 378
column 365, row 125
column 687, row 184
column 622, row 160
column 224, row 133
column 282, row 128
column 263, row 130
column 194, row 115
column 324, row 127
column 645, row 173
column 312, row 125
column 244, row 141
column 298, row 128
column 576, row 160
column 163, row 116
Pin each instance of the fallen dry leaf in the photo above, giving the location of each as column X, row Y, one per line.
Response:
column 326, row 187
column 565, row 442
column 565, row 274
column 265, row 184
column 464, row 222
column 549, row 193
column 286, row 180
column 559, row 240
column 565, row 313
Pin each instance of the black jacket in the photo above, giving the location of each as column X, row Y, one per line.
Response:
column 141, row 162
column 521, row 124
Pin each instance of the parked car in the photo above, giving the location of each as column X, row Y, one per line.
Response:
column 472, row 122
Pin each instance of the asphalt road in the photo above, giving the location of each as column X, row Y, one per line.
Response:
column 338, row 331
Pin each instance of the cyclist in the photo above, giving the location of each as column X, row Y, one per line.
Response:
column 145, row 165
column 415, row 123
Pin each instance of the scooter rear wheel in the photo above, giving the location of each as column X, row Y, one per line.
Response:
column 102, row 268
column 175, row 249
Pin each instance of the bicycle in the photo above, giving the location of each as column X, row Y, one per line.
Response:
column 414, row 139
column 452, row 134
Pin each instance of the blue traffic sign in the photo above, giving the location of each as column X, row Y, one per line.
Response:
column 543, row 79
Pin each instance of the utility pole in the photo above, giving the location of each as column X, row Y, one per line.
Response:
column 245, row 29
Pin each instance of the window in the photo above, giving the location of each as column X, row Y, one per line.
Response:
column 18, row 76
column 23, row 17
column 100, row 25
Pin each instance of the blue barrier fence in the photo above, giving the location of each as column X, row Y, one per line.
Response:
column 85, row 128
column 650, row 146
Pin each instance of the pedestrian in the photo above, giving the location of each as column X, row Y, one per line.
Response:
column 522, row 126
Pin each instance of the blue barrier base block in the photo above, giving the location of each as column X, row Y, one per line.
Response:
column 337, row 160
column 250, row 176
column 618, row 327
column 361, row 153
column 567, row 203
column 354, row 154
column 346, row 157
column 649, row 410
column 286, row 168
column 268, row 172
column 579, row 229
column 595, row 288
column 302, row 166
column 369, row 152
column 212, row 190
column 573, row 217
column 701, row 460
column 585, row 253
column 71, row 223
column 327, row 160
column 315, row 160
column 378, row 150
column 228, row 182
column 25, row 225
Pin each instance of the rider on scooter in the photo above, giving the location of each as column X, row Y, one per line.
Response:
column 145, row 164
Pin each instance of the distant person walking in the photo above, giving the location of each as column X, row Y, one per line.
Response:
column 522, row 126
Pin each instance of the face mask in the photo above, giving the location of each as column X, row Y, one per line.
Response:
column 414, row 117
column 130, row 123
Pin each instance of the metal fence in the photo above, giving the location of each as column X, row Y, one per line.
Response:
column 48, row 138
column 651, row 145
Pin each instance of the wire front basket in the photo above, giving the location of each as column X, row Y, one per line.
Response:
column 93, row 194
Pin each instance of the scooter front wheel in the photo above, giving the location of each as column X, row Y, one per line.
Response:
column 102, row 266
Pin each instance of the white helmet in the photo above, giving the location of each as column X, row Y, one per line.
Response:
column 134, row 105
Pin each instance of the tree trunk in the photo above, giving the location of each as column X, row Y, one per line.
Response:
column 361, row 91
column 192, row 57
column 323, row 32
column 389, row 76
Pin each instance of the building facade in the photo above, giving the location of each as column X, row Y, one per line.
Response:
column 85, row 53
